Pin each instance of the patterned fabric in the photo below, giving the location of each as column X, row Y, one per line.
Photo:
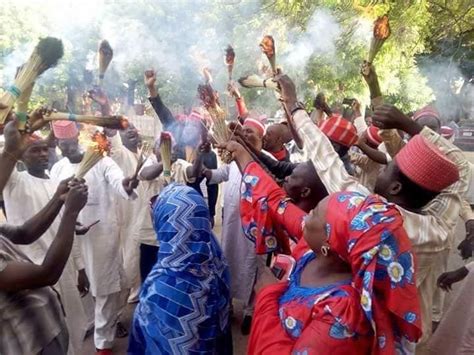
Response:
column 184, row 302
column 269, row 219
column 368, row 233
column 428, row 231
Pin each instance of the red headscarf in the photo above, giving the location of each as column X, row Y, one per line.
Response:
column 368, row 233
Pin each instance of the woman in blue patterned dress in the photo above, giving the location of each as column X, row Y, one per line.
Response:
column 184, row 301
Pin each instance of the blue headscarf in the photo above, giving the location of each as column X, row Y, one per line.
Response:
column 184, row 301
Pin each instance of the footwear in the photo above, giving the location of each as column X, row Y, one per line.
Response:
column 103, row 352
column 121, row 331
column 246, row 325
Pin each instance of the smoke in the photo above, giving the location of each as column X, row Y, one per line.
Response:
column 445, row 80
column 322, row 32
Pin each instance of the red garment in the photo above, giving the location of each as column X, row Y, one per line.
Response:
column 368, row 233
column 265, row 209
column 241, row 107
column 281, row 155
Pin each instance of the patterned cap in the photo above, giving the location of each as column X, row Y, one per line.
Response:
column 373, row 135
column 65, row 129
column 425, row 165
column 339, row 130
column 251, row 122
column 426, row 111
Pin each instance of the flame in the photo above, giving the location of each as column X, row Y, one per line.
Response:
column 229, row 55
column 382, row 27
column 268, row 46
column 100, row 143
column 124, row 122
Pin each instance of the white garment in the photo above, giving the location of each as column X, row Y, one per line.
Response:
column 127, row 216
column 238, row 250
column 145, row 233
column 24, row 196
column 101, row 245
column 106, row 317
column 455, row 333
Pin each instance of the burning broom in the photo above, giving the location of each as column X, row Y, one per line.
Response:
column 46, row 55
column 229, row 60
column 165, row 151
column 112, row 122
column 268, row 48
column 220, row 131
column 143, row 153
column 381, row 33
column 255, row 81
column 105, row 57
column 97, row 149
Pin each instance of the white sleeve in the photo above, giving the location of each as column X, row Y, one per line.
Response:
column 220, row 174
column 114, row 177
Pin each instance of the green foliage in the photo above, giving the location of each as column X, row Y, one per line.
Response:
column 148, row 33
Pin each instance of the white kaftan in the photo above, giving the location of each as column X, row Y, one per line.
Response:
column 101, row 245
column 24, row 196
column 238, row 250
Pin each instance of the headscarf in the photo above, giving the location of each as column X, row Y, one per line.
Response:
column 184, row 302
column 368, row 233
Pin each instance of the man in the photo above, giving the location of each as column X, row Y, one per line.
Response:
column 101, row 247
column 429, row 213
column 239, row 252
column 35, row 187
column 274, row 142
column 32, row 316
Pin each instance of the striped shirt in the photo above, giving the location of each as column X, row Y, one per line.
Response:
column 29, row 319
column 428, row 231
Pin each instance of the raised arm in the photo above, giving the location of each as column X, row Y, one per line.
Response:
column 35, row 227
column 281, row 169
column 164, row 114
column 326, row 161
column 372, row 80
column 17, row 275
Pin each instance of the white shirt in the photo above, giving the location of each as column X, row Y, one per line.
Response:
column 101, row 246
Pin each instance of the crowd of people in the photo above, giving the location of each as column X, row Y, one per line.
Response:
column 336, row 233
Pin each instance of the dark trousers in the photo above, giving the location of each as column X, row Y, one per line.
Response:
column 148, row 257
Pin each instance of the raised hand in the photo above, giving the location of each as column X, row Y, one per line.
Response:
column 388, row 117
column 76, row 198
column 150, row 78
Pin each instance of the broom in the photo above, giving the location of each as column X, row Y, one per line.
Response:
column 112, row 122
column 268, row 48
column 229, row 60
column 143, row 153
column 220, row 131
column 45, row 55
column 165, row 151
column 381, row 33
column 97, row 149
column 255, row 81
column 105, row 57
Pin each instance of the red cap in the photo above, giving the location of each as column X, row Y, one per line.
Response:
column 373, row 135
column 65, row 129
column 339, row 130
column 426, row 111
column 251, row 122
column 424, row 164
column 447, row 132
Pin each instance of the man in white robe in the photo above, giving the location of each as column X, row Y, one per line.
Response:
column 25, row 194
column 101, row 246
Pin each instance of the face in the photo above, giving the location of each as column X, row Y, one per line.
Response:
column 70, row 149
column 130, row 137
column 387, row 182
column 294, row 185
column 430, row 122
column 271, row 139
column 314, row 231
column 36, row 157
column 252, row 136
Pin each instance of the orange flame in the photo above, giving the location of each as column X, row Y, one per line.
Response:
column 382, row 27
column 100, row 143
column 268, row 46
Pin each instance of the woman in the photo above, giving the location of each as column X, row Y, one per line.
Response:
column 184, row 301
column 352, row 292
